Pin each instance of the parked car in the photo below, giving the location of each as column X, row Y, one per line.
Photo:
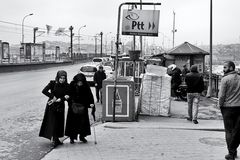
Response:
column 108, row 71
column 99, row 59
column 108, row 63
column 88, row 70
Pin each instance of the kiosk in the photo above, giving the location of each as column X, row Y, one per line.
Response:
column 125, row 100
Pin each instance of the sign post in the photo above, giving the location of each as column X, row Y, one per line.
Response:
column 117, row 46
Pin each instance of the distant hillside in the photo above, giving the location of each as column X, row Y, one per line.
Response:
column 223, row 53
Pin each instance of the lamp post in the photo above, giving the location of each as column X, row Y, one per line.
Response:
column 79, row 49
column 101, row 34
column 71, row 42
column 174, row 30
column 95, row 44
column 23, row 26
column 209, row 93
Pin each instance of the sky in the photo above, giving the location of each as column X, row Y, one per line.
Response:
column 192, row 20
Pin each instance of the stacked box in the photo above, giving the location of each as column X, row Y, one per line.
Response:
column 157, row 70
column 155, row 95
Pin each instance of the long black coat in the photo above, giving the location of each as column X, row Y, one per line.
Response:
column 98, row 78
column 53, row 120
column 79, row 124
column 176, row 78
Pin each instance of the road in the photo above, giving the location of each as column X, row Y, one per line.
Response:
column 22, row 107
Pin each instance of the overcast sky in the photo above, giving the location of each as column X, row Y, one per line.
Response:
column 192, row 19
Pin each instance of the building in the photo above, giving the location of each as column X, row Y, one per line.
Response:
column 188, row 54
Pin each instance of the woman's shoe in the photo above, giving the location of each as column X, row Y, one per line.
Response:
column 55, row 144
column 230, row 157
column 58, row 142
column 83, row 139
column 71, row 141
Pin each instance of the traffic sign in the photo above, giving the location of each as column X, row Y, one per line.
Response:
column 140, row 22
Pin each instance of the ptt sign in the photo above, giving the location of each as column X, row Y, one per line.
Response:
column 140, row 22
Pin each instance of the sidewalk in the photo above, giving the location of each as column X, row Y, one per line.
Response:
column 162, row 138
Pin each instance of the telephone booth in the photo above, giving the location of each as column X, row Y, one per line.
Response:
column 129, row 68
column 128, row 83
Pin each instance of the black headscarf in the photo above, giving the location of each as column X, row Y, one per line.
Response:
column 59, row 74
column 80, row 77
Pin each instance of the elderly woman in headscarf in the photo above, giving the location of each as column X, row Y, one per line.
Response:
column 57, row 91
column 176, row 80
column 79, row 124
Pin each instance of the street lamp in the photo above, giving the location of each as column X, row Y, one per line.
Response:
column 79, row 49
column 23, row 26
column 174, row 30
column 209, row 92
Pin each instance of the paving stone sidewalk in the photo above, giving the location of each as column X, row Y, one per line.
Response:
column 153, row 138
column 207, row 109
column 145, row 140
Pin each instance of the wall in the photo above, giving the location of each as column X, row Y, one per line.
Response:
column 33, row 66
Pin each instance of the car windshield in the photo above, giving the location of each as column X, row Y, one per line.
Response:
column 88, row 69
column 97, row 60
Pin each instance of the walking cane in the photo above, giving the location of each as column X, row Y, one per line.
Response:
column 95, row 138
column 94, row 119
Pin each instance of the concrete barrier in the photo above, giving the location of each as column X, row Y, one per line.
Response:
column 30, row 66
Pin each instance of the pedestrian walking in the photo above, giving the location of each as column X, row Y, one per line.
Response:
column 53, row 121
column 175, row 73
column 229, row 103
column 99, row 76
column 78, row 121
column 195, row 86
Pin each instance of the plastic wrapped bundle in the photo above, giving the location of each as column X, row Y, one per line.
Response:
column 157, row 70
column 155, row 95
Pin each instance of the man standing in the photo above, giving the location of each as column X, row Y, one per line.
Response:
column 195, row 86
column 229, row 103
column 99, row 76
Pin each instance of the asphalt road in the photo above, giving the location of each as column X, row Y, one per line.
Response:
column 22, row 107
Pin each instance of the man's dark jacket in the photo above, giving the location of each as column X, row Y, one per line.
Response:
column 99, row 77
column 194, row 81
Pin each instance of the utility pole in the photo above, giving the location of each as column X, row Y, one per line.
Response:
column 141, row 46
column 71, row 41
column 174, row 30
column 209, row 92
column 95, row 45
column 101, row 34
